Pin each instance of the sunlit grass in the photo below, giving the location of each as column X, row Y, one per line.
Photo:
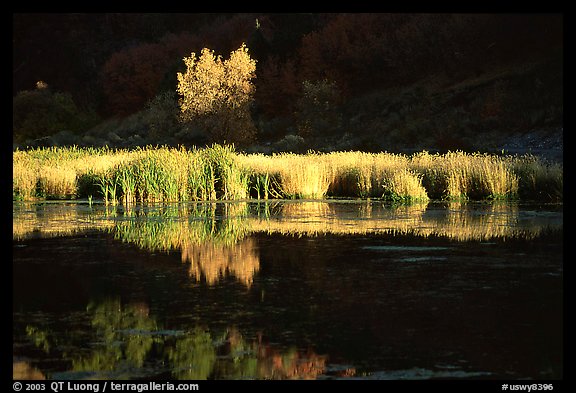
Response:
column 459, row 175
column 161, row 174
column 374, row 175
column 24, row 176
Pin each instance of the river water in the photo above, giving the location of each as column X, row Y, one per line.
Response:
column 288, row 290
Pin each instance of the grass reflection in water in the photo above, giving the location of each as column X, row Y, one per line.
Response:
column 128, row 342
column 214, row 239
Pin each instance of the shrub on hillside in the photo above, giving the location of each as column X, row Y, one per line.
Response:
column 39, row 113
column 318, row 109
column 161, row 115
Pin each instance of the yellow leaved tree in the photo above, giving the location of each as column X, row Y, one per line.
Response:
column 217, row 94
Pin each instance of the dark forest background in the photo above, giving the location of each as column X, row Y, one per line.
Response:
column 356, row 81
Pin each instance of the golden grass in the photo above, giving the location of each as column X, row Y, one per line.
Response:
column 24, row 176
column 537, row 180
column 288, row 175
column 219, row 173
column 459, row 175
column 372, row 175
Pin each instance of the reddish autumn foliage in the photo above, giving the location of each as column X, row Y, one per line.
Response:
column 227, row 34
column 277, row 88
column 131, row 77
column 348, row 48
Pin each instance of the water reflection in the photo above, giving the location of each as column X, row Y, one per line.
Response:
column 453, row 220
column 22, row 370
column 39, row 337
column 212, row 261
column 127, row 341
column 193, row 356
column 214, row 238
column 55, row 219
column 123, row 335
column 172, row 227
column 495, row 307
column 210, row 237
column 319, row 218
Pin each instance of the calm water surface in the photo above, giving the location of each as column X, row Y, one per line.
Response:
column 287, row 290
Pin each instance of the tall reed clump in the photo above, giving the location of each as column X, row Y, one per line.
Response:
column 302, row 176
column 157, row 175
column 229, row 177
column 201, row 178
column 374, row 175
column 60, row 173
column 351, row 174
column 433, row 173
column 459, row 175
column 538, row 179
column 264, row 174
column 492, row 178
column 147, row 175
column 216, row 172
column 45, row 173
column 394, row 180
column 403, row 186
column 24, row 176
column 287, row 175
column 57, row 183
column 169, row 175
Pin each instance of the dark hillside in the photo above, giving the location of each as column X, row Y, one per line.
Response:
column 373, row 81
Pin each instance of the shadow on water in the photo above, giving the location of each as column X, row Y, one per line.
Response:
column 287, row 289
